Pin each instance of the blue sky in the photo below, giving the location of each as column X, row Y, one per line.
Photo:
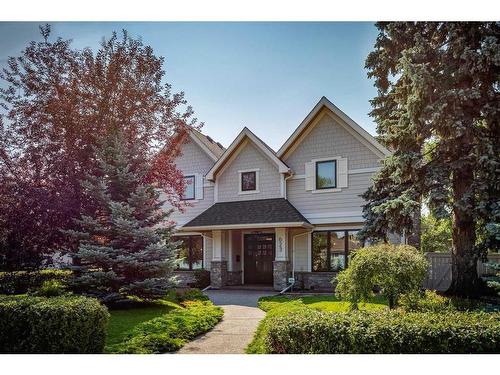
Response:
column 266, row 76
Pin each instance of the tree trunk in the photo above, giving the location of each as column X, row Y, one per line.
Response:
column 465, row 281
column 413, row 237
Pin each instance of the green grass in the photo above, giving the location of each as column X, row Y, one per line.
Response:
column 284, row 305
column 123, row 321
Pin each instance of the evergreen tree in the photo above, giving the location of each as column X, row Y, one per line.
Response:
column 126, row 247
column 437, row 108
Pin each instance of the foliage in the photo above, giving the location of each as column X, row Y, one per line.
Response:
column 430, row 301
column 52, row 325
column 126, row 246
column 19, row 282
column 494, row 281
column 283, row 305
column 57, row 103
column 314, row 332
column 171, row 331
column 50, row 288
column 202, row 279
column 394, row 269
column 183, row 295
column 436, row 234
column 437, row 110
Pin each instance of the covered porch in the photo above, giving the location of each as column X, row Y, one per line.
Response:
column 249, row 242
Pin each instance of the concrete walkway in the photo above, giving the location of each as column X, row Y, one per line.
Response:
column 237, row 327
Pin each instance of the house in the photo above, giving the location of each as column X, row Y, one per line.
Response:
column 258, row 216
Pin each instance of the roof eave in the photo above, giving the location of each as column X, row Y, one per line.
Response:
column 203, row 228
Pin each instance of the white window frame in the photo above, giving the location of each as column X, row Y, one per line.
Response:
column 192, row 175
column 257, row 181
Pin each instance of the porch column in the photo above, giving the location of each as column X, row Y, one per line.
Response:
column 281, row 264
column 218, row 271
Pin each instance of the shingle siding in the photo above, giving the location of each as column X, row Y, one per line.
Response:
column 194, row 209
column 328, row 138
column 193, row 159
column 249, row 158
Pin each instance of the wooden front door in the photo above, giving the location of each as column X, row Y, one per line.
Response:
column 259, row 256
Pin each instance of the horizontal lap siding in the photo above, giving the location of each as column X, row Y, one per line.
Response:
column 326, row 139
column 347, row 200
column 249, row 158
column 196, row 208
column 301, row 251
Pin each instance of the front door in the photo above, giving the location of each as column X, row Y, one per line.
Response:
column 259, row 256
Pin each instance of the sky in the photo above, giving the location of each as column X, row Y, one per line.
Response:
column 265, row 76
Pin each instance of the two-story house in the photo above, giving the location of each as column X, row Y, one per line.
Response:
column 256, row 216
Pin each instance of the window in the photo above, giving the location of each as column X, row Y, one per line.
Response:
column 248, row 181
column 190, row 254
column 326, row 174
column 189, row 182
column 330, row 249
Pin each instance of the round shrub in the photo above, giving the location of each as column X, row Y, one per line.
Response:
column 314, row 332
column 52, row 325
column 394, row 269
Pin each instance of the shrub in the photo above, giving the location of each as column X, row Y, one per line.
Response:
column 430, row 301
column 50, row 288
column 310, row 331
column 171, row 331
column 183, row 295
column 393, row 269
column 202, row 279
column 20, row 282
column 52, row 325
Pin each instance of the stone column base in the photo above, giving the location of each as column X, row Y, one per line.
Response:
column 218, row 274
column 281, row 273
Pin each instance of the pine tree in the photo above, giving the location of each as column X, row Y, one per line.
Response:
column 126, row 247
column 437, row 108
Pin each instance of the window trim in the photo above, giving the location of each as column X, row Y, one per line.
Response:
column 194, row 188
column 257, row 181
column 189, row 260
column 316, row 163
column 329, row 253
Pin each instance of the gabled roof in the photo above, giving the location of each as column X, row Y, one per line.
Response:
column 246, row 134
column 253, row 213
column 347, row 122
column 207, row 144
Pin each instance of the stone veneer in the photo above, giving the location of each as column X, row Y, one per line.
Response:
column 281, row 273
column 315, row 280
column 218, row 274
column 233, row 278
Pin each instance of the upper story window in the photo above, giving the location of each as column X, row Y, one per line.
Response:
column 326, row 174
column 249, row 181
column 189, row 188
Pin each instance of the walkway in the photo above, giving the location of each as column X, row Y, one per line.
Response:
column 237, row 327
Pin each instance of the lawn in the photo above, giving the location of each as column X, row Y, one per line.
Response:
column 122, row 321
column 283, row 305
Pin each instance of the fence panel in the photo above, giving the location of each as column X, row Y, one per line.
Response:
column 439, row 273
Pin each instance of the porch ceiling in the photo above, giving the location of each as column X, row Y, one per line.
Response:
column 262, row 213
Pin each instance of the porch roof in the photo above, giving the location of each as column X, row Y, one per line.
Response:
column 261, row 213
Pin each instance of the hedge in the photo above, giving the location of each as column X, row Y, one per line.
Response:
column 19, row 282
column 52, row 325
column 171, row 331
column 311, row 331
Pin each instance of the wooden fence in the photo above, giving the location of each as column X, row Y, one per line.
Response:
column 439, row 273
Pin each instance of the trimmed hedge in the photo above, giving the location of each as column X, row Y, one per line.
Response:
column 52, row 325
column 20, row 282
column 171, row 331
column 311, row 331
